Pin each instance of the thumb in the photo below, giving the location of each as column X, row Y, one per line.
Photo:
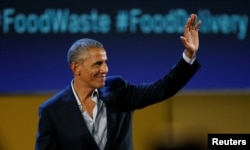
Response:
column 183, row 39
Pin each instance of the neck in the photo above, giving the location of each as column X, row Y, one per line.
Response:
column 83, row 92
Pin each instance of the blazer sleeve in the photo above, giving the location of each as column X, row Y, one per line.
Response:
column 139, row 96
column 45, row 139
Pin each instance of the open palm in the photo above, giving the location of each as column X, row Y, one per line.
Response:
column 190, row 38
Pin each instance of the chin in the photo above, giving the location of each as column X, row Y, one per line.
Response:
column 100, row 85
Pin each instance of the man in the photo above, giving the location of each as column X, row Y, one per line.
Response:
column 95, row 112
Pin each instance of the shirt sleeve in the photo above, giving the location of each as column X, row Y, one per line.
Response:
column 187, row 59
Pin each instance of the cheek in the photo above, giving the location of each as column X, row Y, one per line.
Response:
column 94, row 72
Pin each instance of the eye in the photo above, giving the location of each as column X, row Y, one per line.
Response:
column 106, row 62
column 98, row 63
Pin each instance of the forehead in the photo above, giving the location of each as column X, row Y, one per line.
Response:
column 96, row 52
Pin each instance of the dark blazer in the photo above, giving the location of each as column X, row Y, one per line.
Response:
column 62, row 127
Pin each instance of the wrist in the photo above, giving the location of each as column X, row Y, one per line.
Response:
column 189, row 54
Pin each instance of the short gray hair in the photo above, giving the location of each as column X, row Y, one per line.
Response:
column 80, row 47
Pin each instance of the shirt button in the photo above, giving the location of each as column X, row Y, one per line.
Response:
column 96, row 137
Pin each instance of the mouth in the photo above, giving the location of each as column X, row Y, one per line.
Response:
column 103, row 77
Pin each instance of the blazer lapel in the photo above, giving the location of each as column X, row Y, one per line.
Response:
column 107, row 97
column 72, row 111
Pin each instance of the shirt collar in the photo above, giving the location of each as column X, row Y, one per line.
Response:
column 94, row 96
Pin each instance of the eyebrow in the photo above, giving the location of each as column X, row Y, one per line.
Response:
column 100, row 62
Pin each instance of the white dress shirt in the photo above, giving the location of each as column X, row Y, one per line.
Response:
column 98, row 124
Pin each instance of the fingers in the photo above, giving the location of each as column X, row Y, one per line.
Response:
column 197, row 26
column 193, row 18
column 192, row 22
column 193, row 25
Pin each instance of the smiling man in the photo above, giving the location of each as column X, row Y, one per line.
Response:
column 95, row 112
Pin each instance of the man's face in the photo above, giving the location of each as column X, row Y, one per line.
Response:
column 93, row 70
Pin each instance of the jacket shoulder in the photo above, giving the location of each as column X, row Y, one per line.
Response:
column 115, row 82
column 57, row 99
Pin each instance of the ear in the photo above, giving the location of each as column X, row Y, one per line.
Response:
column 75, row 68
